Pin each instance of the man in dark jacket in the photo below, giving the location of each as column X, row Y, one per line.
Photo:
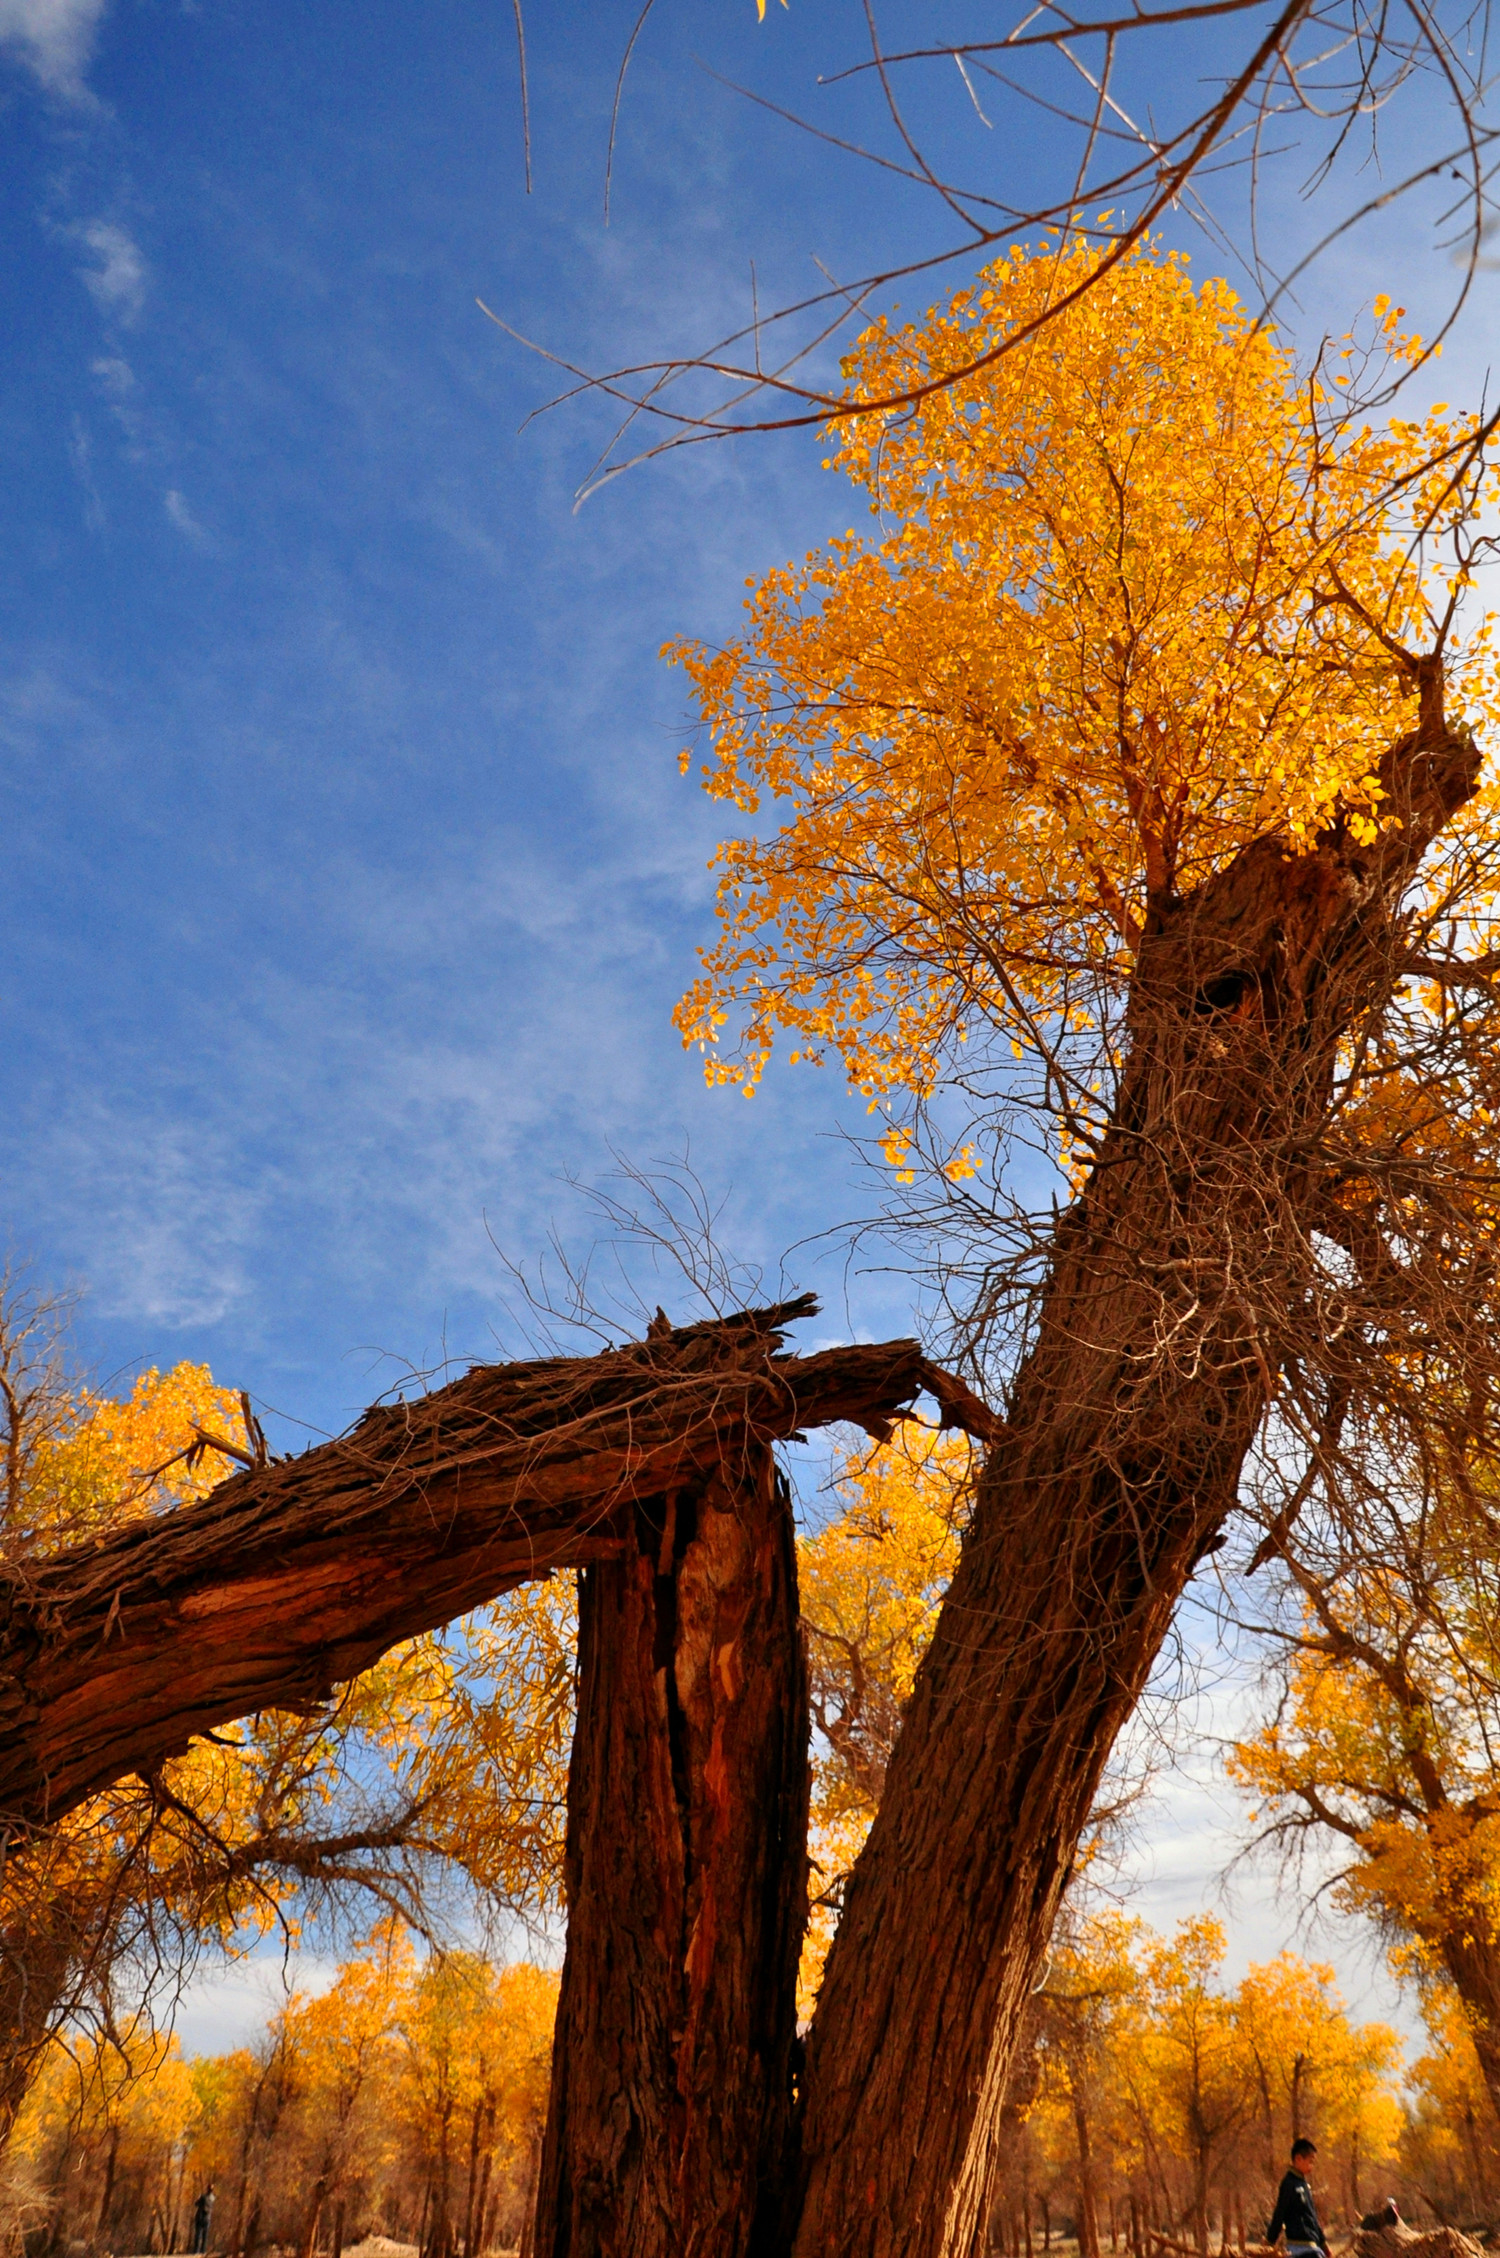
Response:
column 203, row 2213
column 1296, row 2214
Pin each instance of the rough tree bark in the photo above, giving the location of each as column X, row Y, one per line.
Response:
column 672, row 2077
column 1155, row 1353
column 1471, row 1955
column 293, row 1576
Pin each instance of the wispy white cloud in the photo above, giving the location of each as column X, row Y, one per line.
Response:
column 116, row 376
column 183, row 518
column 117, row 383
column 179, row 1213
column 81, row 457
column 55, row 38
column 117, row 279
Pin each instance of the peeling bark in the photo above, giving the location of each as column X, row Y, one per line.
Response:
column 686, row 1878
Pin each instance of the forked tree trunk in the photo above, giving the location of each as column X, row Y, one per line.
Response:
column 290, row 1576
column 1157, row 1343
column 1200, row 2200
column 673, row 2063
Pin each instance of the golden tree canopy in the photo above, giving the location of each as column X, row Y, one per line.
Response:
column 1138, row 595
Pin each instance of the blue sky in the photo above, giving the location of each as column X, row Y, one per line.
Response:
column 348, row 875
column 351, row 876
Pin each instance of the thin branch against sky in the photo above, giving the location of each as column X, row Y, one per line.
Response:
column 1304, row 102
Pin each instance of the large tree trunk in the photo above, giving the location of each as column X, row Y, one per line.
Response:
column 672, row 2076
column 292, row 1576
column 1471, row 1955
column 1159, row 1335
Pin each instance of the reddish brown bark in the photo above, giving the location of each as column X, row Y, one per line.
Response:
column 1471, row 1954
column 293, row 1576
column 687, row 1818
column 1157, row 1345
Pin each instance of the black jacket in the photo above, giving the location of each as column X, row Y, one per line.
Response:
column 1296, row 2211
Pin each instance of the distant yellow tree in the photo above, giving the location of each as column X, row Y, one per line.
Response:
column 414, row 1765
column 345, row 2039
column 1383, row 1740
column 1087, row 2022
column 1187, row 2073
column 1315, row 2072
column 477, row 2054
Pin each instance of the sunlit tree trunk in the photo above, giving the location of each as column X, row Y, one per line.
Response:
column 314, row 2215
column 479, row 2173
column 528, row 2220
column 1088, row 2207
column 674, row 2060
column 1157, row 1346
column 106, row 2195
column 1200, row 2196
column 1471, row 1955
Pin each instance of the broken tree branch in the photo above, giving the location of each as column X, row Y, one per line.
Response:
column 289, row 1578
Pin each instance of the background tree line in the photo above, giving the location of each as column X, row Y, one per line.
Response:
column 406, row 2100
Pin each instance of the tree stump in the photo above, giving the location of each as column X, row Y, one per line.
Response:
column 675, row 2054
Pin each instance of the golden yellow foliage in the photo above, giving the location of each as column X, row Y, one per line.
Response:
column 476, row 1722
column 415, row 1762
column 110, row 1460
column 105, row 2116
column 1149, row 2066
column 477, row 2037
column 1311, row 2063
column 410, row 2085
column 871, row 1582
column 1451, row 2139
column 134, row 2082
column 1139, row 593
column 1383, row 1741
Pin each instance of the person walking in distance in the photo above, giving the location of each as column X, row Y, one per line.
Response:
column 1296, row 2214
column 203, row 2211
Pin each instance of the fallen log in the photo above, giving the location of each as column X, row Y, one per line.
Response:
column 292, row 1576
column 1398, row 2240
